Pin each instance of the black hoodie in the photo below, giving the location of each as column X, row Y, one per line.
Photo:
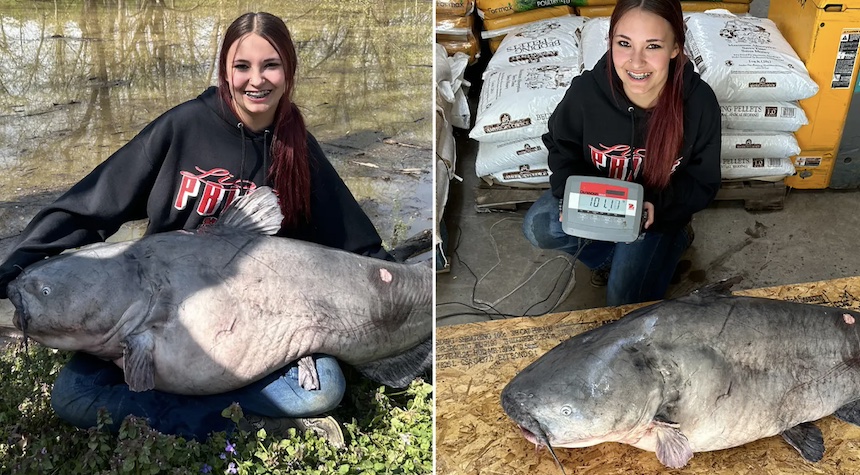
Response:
column 593, row 130
column 181, row 170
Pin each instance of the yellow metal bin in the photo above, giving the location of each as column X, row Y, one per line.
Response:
column 825, row 35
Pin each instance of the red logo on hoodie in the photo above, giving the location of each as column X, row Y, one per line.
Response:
column 617, row 161
column 214, row 189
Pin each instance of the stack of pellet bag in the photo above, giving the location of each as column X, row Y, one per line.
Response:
column 734, row 6
column 499, row 16
column 455, row 28
column 495, row 29
column 524, row 82
column 757, row 78
column 452, row 110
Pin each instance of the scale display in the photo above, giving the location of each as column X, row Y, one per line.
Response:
column 602, row 209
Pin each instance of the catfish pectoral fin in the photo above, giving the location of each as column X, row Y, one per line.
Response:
column 673, row 449
column 807, row 439
column 849, row 413
column 138, row 363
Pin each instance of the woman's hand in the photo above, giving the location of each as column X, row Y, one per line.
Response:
column 648, row 209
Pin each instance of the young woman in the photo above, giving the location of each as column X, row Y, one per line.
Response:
column 642, row 115
column 180, row 172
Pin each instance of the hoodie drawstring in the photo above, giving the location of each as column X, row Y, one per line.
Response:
column 632, row 127
column 241, row 127
column 266, row 151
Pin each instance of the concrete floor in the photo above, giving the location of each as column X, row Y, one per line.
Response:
column 496, row 273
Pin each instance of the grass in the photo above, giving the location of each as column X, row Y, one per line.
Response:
column 387, row 433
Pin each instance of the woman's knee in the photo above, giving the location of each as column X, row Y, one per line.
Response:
column 78, row 387
column 70, row 388
column 532, row 228
column 538, row 227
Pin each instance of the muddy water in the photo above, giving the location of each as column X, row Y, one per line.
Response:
column 78, row 79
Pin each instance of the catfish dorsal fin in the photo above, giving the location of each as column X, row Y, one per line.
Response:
column 258, row 212
column 722, row 287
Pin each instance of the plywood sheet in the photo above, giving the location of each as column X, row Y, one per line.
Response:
column 475, row 436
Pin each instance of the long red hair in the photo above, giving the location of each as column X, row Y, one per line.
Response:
column 666, row 126
column 289, row 173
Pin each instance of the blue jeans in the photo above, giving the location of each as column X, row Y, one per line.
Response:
column 640, row 271
column 88, row 383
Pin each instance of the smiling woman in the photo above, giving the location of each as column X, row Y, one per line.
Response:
column 641, row 115
column 181, row 171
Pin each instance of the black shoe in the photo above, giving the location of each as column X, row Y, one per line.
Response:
column 599, row 277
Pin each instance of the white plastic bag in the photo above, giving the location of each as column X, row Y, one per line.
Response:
column 451, row 87
column 768, row 169
column 526, row 174
column 746, row 58
column 516, row 102
column 595, row 41
column 520, row 163
column 550, row 41
column 775, row 116
column 757, row 144
column 503, row 156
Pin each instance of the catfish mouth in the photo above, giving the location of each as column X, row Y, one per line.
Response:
column 20, row 318
column 540, row 439
column 531, row 436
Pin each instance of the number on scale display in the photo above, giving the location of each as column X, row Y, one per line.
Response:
column 600, row 204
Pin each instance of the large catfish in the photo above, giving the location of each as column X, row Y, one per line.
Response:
column 704, row 372
column 207, row 312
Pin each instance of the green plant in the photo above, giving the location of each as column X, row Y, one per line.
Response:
column 388, row 433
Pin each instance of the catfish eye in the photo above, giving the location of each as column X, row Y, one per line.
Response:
column 46, row 291
column 566, row 410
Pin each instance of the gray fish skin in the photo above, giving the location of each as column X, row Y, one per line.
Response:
column 209, row 312
column 700, row 373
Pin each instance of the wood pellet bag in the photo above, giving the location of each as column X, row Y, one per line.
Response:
column 455, row 7
column 489, row 9
column 745, row 58
column 551, row 41
column 499, row 157
column 776, row 116
column 516, row 102
column 757, row 143
column 491, row 24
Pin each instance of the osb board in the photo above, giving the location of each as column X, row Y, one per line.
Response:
column 475, row 436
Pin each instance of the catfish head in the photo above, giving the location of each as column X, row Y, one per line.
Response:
column 592, row 388
column 79, row 300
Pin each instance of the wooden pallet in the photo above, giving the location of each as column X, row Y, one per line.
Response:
column 757, row 195
column 501, row 197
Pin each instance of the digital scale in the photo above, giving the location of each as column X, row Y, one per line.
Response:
column 602, row 209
